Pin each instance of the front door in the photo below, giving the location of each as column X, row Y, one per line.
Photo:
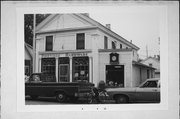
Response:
column 63, row 72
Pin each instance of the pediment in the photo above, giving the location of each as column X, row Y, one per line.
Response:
column 64, row 21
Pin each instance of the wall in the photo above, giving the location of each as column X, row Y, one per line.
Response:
column 136, row 80
column 124, row 59
column 110, row 39
column 66, row 40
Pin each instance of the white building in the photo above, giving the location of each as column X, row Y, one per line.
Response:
column 75, row 47
column 153, row 62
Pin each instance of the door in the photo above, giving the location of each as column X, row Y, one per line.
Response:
column 63, row 72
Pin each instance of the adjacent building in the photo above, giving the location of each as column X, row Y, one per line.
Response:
column 28, row 59
column 75, row 47
column 153, row 62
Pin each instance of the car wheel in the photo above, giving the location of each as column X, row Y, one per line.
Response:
column 121, row 99
column 61, row 97
column 34, row 97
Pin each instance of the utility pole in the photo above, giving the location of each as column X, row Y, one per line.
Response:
column 34, row 43
column 146, row 51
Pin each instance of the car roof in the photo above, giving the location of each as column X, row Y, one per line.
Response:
column 152, row 79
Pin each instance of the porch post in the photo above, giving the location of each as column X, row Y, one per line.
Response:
column 56, row 69
column 40, row 60
column 90, row 70
column 70, row 71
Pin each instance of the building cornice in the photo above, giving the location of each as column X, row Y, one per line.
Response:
column 115, row 50
column 66, row 30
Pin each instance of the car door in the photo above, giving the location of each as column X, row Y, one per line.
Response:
column 148, row 92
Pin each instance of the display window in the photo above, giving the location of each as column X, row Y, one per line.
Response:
column 80, row 69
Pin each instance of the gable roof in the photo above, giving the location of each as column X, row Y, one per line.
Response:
column 150, row 58
column 94, row 23
column 29, row 49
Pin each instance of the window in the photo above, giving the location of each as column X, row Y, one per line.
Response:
column 113, row 45
column 150, row 64
column 81, row 69
column 105, row 42
column 49, row 43
column 150, row 84
column 120, row 46
column 80, row 38
column 48, row 65
column 147, row 73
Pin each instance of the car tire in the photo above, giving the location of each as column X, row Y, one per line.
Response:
column 120, row 99
column 61, row 97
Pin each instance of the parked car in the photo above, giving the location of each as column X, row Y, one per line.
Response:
column 148, row 91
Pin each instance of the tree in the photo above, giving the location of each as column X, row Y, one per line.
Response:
column 28, row 26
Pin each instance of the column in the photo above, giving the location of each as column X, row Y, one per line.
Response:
column 56, row 69
column 40, row 61
column 95, row 59
column 70, row 72
column 90, row 70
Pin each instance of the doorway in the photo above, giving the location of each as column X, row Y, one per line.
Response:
column 63, row 72
column 115, row 75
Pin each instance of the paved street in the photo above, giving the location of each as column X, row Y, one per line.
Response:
column 53, row 101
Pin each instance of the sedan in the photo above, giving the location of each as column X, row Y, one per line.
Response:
column 148, row 91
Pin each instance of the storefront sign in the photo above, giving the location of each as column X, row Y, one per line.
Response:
column 51, row 55
column 76, row 54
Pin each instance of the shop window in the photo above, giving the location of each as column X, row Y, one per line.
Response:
column 80, row 41
column 81, row 69
column 105, row 42
column 49, row 43
column 113, row 45
column 48, row 65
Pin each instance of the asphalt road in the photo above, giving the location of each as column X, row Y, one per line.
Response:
column 53, row 101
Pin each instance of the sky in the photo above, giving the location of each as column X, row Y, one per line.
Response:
column 139, row 24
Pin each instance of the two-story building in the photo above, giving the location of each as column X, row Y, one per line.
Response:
column 75, row 47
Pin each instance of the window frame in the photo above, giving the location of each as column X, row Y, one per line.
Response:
column 105, row 42
column 79, row 41
column 46, row 42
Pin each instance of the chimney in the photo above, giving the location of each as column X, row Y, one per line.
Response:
column 131, row 41
column 108, row 26
column 86, row 14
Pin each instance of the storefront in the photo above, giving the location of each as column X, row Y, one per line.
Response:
column 67, row 67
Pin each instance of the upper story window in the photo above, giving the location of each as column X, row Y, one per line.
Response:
column 113, row 45
column 105, row 42
column 49, row 43
column 120, row 46
column 80, row 41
